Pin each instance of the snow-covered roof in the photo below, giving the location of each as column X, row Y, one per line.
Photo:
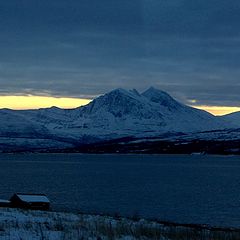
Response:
column 4, row 201
column 33, row 198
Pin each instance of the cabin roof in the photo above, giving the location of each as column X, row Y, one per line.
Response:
column 4, row 201
column 33, row 197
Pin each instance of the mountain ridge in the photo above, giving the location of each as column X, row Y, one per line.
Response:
column 233, row 118
column 117, row 114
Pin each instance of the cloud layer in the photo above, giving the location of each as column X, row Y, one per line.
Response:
column 79, row 48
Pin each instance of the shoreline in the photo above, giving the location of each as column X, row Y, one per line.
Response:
column 118, row 154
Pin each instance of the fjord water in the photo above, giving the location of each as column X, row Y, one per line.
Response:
column 180, row 188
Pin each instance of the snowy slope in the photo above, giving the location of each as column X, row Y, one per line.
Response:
column 129, row 112
column 116, row 114
column 21, row 129
column 17, row 124
column 233, row 118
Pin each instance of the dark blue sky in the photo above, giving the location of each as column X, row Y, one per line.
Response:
column 83, row 48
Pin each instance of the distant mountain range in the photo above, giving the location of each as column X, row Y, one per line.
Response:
column 117, row 115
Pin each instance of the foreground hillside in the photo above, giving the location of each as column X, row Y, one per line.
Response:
column 117, row 114
column 38, row 225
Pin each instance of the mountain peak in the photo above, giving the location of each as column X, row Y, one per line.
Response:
column 152, row 89
column 121, row 103
column 155, row 91
column 120, row 91
column 159, row 96
column 135, row 92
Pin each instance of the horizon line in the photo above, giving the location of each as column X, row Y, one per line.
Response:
column 29, row 102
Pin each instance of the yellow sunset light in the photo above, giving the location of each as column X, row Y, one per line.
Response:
column 218, row 110
column 35, row 102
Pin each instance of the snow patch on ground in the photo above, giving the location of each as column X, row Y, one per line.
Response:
column 36, row 225
column 16, row 224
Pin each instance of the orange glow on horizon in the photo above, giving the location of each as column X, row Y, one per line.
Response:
column 218, row 110
column 36, row 102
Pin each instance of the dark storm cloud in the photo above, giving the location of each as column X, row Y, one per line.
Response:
column 84, row 48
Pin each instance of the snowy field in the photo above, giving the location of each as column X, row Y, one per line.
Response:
column 38, row 225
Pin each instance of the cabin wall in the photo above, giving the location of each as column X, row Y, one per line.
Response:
column 16, row 202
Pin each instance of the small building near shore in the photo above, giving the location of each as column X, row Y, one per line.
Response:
column 30, row 201
column 5, row 203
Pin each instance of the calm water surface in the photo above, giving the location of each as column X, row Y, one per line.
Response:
column 191, row 189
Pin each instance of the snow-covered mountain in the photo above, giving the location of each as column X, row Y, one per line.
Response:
column 119, row 113
column 233, row 118
column 153, row 111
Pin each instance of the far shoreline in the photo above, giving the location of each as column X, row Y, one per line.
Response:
column 117, row 154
